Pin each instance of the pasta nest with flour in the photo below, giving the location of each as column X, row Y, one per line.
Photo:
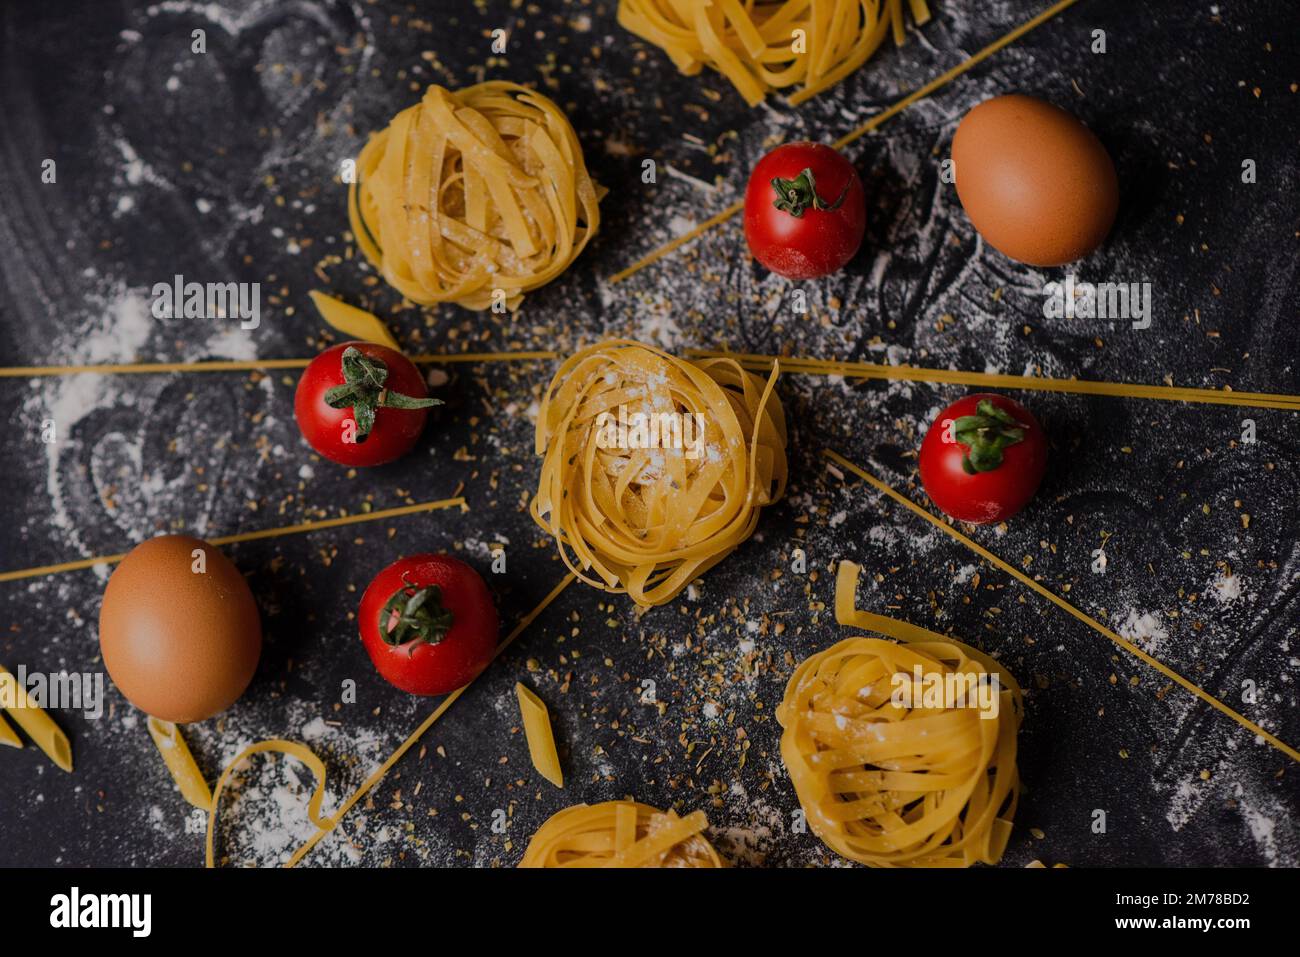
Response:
column 901, row 781
column 763, row 45
column 621, row 834
column 648, row 520
column 474, row 197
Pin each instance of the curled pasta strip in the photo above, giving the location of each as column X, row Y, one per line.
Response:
column 900, row 786
column 649, row 520
column 292, row 749
column 764, row 45
column 473, row 191
column 621, row 834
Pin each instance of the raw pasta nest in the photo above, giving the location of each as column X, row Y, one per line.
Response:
column 648, row 521
column 756, row 43
column 473, row 191
column 621, row 834
column 898, row 787
column 891, row 785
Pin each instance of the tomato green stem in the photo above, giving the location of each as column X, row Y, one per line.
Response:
column 986, row 434
column 796, row 195
column 363, row 391
column 415, row 614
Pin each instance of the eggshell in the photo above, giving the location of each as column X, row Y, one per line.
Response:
column 1035, row 182
column 181, row 645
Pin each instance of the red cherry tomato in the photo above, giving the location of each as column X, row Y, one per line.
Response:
column 983, row 458
column 381, row 377
column 428, row 624
column 805, row 211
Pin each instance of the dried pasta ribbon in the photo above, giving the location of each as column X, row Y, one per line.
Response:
column 472, row 191
column 892, row 786
column 649, row 520
column 621, row 834
column 294, row 750
column 764, row 45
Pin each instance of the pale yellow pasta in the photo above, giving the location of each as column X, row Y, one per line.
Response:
column 764, row 45
column 40, row 727
column 649, row 520
column 540, row 736
column 621, row 834
column 180, row 763
column 291, row 749
column 353, row 322
column 474, row 197
column 892, row 783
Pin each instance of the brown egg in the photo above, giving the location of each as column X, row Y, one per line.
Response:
column 1035, row 182
column 180, row 643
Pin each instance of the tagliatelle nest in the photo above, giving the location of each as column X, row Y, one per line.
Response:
column 649, row 520
column 621, row 834
column 920, row 778
column 474, row 197
column 763, row 45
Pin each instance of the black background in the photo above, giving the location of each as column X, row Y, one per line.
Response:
column 223, row 167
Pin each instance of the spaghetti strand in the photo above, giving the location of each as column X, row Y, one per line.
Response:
column 1064, row 605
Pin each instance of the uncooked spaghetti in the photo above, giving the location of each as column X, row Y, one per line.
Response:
column 655, row 468
column 764, row 45
column 474, row 197
column 621, row 834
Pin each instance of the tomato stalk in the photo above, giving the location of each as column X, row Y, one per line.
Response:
column 793, row 196
column 363, row 391
column 412, row 615
column 986, row 434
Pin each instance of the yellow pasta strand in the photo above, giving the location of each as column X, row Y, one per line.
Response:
column 540, row 735
column 40, row 727
column 991, row 380
column 649, row 515
column 180, row 763
column 474, row 197
column 353, row 322
column 621, row 834
column 290, row 748
column 765, row 45
column 1005, row 566
column 892, row 783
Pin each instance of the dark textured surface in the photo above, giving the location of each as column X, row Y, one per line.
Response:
column 221, row 167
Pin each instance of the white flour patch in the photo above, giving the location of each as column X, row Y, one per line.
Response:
column 1224, row 588
column 1144, row 628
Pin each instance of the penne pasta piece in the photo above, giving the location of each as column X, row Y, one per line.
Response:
column 541, row 737
column 351, row 321
column 40, row 727
column 180, row 763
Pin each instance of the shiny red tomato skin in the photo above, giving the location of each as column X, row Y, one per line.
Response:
column 821, row 241
column 395, row 431
column 984, row 497
column 466, row 649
